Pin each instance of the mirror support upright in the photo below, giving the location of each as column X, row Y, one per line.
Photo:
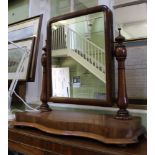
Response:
column 44, row 106
column 122, row 100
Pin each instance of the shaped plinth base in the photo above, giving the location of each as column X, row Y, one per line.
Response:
column 123, row 114
column 45, row 108
column 104, row 128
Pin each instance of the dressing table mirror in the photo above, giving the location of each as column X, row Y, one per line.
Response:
column 70, row 47
column 79, row 55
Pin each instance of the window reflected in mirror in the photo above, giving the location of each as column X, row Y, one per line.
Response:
column 78, row 57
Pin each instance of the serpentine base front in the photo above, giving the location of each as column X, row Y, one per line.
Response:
column 104, row 128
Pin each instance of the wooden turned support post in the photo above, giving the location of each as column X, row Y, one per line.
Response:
column 44, row 106
column 122, row 100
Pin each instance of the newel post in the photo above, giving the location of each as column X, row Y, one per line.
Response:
column 122, row 99
column 44, row 106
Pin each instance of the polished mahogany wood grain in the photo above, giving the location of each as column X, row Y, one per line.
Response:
column 44, row 107
column 34, row 142
column 122, row 100
column 104, row 128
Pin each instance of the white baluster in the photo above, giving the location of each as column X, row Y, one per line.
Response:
column 89, row 53
column 68, row 38
column 98, row 58
column 52, row 39
column 76, row 45
column 79, row 43
column 82, row 48
column 92, row 54
column 72, row 41
column 62, row 38
column 102, row 61
column 94, row 51
column 86, row 52
column 57, row 38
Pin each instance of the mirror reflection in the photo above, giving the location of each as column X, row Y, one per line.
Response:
column 131, row 18
column 78, row 57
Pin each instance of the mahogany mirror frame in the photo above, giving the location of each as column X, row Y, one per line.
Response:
column 108, row 28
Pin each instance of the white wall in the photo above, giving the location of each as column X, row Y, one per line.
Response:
column 37, row 7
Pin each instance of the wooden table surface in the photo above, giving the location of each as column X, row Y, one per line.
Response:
column 33, row 142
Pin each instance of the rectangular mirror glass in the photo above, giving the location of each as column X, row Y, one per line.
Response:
column 78, row 57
